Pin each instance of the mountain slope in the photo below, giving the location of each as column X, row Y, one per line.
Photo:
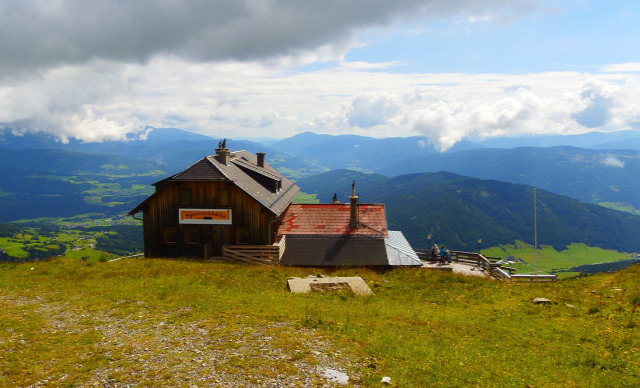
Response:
column 65, row 162
column 587, row 175
column 594, row 140
column 458, row 210
column 356, row 152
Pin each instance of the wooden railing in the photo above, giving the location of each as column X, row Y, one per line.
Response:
column 488, row 264
column 282, row 245
column 535, row 278
column 255, row 254
column 497, row 270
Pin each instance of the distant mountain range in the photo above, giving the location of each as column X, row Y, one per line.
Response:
column 625, row 140
column 457, row 211
column 357, row 152
column 172, row 148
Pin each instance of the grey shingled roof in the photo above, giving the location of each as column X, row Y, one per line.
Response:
column 274, row 201
column 210, row 168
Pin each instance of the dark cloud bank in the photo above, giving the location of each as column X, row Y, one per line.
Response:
column 42, row 34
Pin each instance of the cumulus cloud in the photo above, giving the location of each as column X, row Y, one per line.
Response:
column 597, row 97
column 612, row 161
column 368, row 111
column 87, row 102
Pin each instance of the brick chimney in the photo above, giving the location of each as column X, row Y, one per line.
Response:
column 260, row 156
column 353, row 221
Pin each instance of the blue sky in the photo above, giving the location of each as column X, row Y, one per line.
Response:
column 558, row 36
column 445, row 70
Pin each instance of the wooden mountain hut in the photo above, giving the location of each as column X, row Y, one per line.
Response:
column 227, row 204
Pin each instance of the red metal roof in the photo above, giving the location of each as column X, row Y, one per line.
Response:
column 333, row 219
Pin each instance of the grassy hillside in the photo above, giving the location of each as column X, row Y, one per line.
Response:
column 172, row 322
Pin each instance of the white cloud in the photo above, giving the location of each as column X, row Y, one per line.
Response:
column 632, row 67
column 597, row 97
column 101, row 100
column 612, row 161
column 369, row 111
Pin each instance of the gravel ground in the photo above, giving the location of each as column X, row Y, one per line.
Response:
column 170, row 349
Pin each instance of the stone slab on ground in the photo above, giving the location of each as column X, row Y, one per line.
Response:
column 354, row 284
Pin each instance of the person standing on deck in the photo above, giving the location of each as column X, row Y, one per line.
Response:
column 435, row 252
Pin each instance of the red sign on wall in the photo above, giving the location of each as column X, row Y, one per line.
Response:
column 205, row 216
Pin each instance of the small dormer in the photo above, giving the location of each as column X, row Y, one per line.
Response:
column 259, row 173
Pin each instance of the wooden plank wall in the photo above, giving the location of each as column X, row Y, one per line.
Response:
column 162, row 211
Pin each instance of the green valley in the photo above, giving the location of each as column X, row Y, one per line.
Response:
column 85, row 238
column 547, row 259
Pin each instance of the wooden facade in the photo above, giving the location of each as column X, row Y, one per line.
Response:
column 254, row 197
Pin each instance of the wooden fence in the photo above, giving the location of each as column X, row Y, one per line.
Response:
column 255, row 254
column 208, row 250
column 534, row 278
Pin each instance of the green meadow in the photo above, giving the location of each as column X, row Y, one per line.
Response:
column 624, row 207
column 306, row 198
column 155, row 322
column 549, row 260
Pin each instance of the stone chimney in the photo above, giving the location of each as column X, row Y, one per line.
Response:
column 353, row 221
column 260, row 156
column 224, row 155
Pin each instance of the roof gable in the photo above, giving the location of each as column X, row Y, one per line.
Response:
column 265, row 184
column 203, row 170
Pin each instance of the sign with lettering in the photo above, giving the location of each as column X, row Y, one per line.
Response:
column 205, row 216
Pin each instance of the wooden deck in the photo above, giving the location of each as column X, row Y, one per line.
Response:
column 467, row 269
column 476, row 264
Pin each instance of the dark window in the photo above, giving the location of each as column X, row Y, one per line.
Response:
column 192, row 235
column 170, row 235
column 242, row 235
column 224, row 197
column 185, row 197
